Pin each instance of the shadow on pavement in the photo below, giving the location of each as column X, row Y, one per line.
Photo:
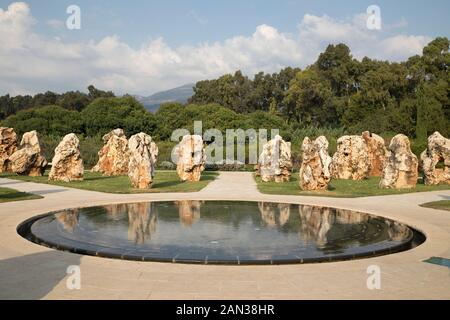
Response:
column 33, row 276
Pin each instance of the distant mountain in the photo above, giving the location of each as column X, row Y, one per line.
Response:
column 179, row 94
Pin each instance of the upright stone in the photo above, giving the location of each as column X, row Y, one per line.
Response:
column 67, row 164
column 378, row 153
column 143, row 154
column 351, row 160
column 191, row 158
column 29, row 159
column 438, row 151
column 315, row 167
column 401, row 170
column 114, row 156
column 8, row 145
column 275, row 162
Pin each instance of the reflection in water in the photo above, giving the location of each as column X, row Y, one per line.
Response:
column 315, row 222
column 68, row 219
column 142, row 222
column 189, row 211
column 274, row 214
column 223, row 230
column 397, row 231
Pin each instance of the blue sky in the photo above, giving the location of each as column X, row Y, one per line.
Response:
column 144, row 46
column 196, row 21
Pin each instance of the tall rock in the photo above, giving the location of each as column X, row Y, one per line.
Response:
column 67, row 164
column 143, row 154
column 275, row 161
column 401, row 170
column 378, row 153
column 351, row 160
column 438, row 150
column 191, row 158
column 8, row 145
column 315, row 167
column 114, row 156
column 29, row 159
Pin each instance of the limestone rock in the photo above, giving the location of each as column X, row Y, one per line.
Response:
column 315, row 167
column 8, row 145
column 142, row 221
column 67, row 164
column 28, row 160
column 191, row 158
column 378, row 153
column 275, row 163
column 351, row 160
column 114, row 156
column 438, row 150
column 143, row 154
column 401, row 170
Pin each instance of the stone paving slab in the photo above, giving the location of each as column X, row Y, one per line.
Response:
column 30, row 271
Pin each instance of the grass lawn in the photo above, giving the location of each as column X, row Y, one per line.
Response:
column 7, row 195
column 441, row 205
column 340, row 188
column 165, row 181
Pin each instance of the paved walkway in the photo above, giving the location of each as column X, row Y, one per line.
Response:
column 30, row 271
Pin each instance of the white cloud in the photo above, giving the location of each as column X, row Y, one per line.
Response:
column 31, row 62
column 55, row 24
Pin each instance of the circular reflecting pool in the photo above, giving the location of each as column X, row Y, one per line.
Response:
column 219, row 232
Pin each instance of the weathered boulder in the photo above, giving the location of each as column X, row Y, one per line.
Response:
column 351, row 160
column 8, row 145
column 378, row 153
column 401, row 170
column 275, row 163
column 28, row 160
column 67, row 164
column 191, row 158
column 114, row 156
column 438, row 150
column 315, row 167
column 143, row 154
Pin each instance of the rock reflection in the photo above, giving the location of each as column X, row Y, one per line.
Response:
column 189, row 211
column 315, row 222
column 274, row 214
column 68, row 219
column 398, row 231
column 142, row 222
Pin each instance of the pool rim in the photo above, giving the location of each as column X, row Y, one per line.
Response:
column 415, row 239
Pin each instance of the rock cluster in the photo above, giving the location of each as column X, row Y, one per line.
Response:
column 401, row 170
column 28, row 160
column 315, row 167
column 275, row 162
column 191, row 158
column 114, row 156
column 378, row 153
column 67, row 164
column 143, row 154
column 351, row 160
column 8, row 145
column 438, row 150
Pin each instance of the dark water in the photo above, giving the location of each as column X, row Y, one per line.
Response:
column 220, row 232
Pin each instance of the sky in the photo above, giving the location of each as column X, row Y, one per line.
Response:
column 141, row 47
